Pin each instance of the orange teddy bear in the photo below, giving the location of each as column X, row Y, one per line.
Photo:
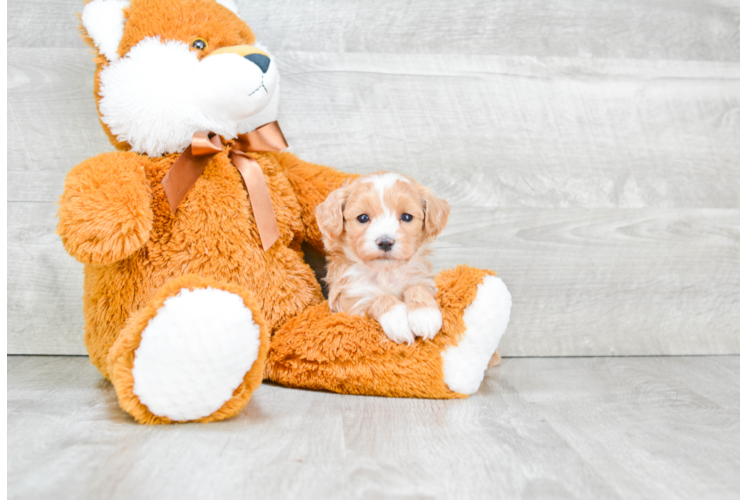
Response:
column 195, row 283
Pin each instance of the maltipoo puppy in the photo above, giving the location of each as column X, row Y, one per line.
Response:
column 377, row 231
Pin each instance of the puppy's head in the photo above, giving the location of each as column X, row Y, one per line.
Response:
column 381, row 217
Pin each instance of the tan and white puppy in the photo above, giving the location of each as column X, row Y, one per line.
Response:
column 376, row 232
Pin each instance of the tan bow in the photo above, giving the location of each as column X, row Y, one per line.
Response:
column 190, row 165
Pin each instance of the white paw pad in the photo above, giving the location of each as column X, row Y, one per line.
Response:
column 194, row 353
column 395, row 325
column 486, row 319
column 425, row 321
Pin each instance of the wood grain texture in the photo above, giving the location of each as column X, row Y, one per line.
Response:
column 590, row 152
column 584, row 281
column 522, row 132
column 52, row 114
column 486, row 131
column 608, row 281
column 627, row 428
column 640, row 29
column 45, row 285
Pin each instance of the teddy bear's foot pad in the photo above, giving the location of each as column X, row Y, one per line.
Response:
column 486, row 319
column 194, row 353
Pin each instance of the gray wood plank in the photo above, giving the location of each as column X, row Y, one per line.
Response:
column 52, row 114
column 511, row 132
column 584, row 281
column 608, row 282
column 538, row 428
column 642, row 29
column 552, row 133
column 45, row 285
column 641, row 425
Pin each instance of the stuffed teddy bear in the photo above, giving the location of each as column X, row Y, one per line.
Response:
column 195, row 283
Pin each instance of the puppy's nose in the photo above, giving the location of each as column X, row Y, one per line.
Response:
column 385, row 243
column 262, row 61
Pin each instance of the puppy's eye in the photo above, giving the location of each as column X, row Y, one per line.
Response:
column 199, row 44
column 406, row 217
column 363, row 218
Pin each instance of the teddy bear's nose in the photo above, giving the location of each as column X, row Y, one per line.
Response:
column 262, row 61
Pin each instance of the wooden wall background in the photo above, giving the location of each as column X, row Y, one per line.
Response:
column 589, row 149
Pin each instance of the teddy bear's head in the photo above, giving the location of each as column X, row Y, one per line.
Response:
column 169, row 68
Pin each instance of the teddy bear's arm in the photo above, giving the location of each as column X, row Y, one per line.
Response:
column 105, row 210
column 312, row 184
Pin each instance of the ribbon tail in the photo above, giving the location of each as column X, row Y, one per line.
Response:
column 259, row 197
column 268, row 138
column 189, row 167
column 182, row 176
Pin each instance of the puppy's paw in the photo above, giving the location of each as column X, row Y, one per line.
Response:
column 395, row 325
column 425, row 321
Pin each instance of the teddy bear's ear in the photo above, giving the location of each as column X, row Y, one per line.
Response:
column 104, row 23
column 229, row 4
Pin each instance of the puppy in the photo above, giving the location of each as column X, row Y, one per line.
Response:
column 376, row 232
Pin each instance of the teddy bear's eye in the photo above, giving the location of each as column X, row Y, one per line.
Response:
column 199, row 44
column 406, row 217
column 363, row 218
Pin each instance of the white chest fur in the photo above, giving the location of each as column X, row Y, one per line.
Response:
column 367, row 282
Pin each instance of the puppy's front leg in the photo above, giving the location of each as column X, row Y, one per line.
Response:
column 393, row 316
column 424, row 316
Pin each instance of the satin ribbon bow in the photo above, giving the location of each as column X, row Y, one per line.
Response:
column 190, row 165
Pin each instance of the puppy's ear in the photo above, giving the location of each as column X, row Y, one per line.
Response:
column 329, row 213
column 435, row 211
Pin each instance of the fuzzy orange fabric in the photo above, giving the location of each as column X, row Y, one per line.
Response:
column 116, row 183
column 351, row 354
column 213, row 235
column 122, row 354
column 115, row 218
column 312, row 183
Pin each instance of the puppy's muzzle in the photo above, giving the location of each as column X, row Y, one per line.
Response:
column 385, row 243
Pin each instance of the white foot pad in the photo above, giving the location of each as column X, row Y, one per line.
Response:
column 194, row 353
column 486, row 320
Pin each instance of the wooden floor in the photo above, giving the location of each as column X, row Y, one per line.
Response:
column 602, row 428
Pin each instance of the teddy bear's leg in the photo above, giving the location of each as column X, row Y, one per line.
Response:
column 351, row 354
column 484, row 311
column 195, row 353
column 495, row 359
